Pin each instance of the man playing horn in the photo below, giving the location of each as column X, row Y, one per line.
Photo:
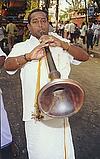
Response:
column 45, row 138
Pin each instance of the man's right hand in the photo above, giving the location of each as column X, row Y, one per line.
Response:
column 37, row 53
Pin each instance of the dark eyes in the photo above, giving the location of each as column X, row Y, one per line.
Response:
column 36, row 21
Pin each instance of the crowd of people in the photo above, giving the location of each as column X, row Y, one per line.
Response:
column 12, row 33
column 83, row 34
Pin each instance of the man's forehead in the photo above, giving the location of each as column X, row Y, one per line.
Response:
column 38, row 15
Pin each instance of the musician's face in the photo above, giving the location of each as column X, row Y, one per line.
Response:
column 38, row 24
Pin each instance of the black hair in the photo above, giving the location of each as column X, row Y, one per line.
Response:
column 36, row 10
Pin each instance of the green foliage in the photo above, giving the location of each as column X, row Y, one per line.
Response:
column 63, row 15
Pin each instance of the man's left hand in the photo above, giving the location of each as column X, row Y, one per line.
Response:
column 51, row 40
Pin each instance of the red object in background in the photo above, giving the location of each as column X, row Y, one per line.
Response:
column 78, row 20
column 16, row 3
column 4, row 12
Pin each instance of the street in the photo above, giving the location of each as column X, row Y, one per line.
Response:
column 85, row 124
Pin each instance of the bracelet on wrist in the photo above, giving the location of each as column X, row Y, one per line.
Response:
column 63, row 44
column 27, row 60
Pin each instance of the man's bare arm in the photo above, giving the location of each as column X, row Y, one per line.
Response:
column 14, row 63
column 77, row 52
column 2, row 59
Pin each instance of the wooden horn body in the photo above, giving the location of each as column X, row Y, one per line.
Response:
column 60, row 98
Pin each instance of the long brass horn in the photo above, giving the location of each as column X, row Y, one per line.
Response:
column 59, row 98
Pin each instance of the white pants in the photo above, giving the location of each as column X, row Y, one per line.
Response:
column 48, row 139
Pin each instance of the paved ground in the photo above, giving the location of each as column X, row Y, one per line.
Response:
column 95, row 51
column 85, row 124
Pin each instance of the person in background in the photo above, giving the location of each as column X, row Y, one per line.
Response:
column 76, row 34
column 44, row 135
column 6, row 136
column 66, row 30
column 51, row 29
column 1, row 35
column 71, row 31
column 26, row 33
column 96, row 28
column 11, row 30
column 83, row 32
column 61, row 29
column 90, row 34
column 20, row 33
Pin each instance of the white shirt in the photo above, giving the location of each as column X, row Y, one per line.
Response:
column 2, row 53
column 6, row 136
column 97, row 29
column 67, row 27
column 29, row 71
column 72, row 27
column 83, row 30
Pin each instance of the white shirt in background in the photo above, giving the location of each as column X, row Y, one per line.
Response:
column 67, row 27
column 83, row 30
column 72, row 27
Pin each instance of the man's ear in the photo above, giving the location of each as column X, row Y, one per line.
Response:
column 28, row 26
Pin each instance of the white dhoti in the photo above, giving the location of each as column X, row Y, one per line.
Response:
column 49, row 139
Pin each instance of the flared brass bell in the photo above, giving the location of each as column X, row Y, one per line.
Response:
column 61, row 98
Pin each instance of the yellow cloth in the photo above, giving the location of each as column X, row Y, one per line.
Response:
column 37, row 114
